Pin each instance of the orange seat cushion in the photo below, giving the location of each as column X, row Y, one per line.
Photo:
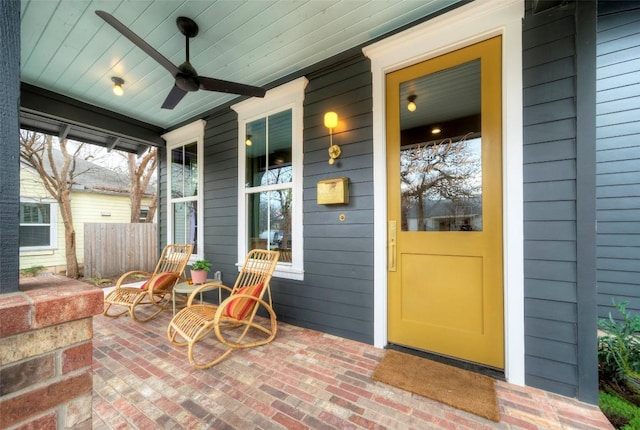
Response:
column 162, row 281
column 240, row 307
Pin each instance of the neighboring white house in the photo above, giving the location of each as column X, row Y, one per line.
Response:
column 99, row 195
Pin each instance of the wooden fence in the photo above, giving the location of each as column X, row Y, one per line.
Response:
column 112, row 249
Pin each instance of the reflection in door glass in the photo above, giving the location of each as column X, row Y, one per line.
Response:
column 441, row 151
column 442, row 186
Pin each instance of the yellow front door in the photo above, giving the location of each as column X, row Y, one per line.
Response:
column 444, row 166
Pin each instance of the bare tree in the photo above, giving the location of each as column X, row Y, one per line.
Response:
column 37, row 151
column 141, row 171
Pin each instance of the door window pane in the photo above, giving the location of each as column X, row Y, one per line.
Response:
column 441, row 151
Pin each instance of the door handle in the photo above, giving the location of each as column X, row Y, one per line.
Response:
column 391, row 246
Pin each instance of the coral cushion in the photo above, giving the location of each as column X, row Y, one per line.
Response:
column 240, row 307
column 162, row 281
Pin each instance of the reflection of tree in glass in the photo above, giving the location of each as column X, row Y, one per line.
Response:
column 184, row 172
column 440, row 171
column 278, row 205
column 276, row 175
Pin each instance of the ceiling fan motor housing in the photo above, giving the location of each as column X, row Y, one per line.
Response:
column 187, row 79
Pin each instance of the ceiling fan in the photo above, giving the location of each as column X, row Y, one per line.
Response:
column 185, row 75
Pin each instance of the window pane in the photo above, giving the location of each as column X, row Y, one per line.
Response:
column 35, row 213
column 185, row 223
column 270, row 222
column 279, row 163
column 441, row 152
column 35, row 236
column 256, row 148
column 184, row 171
column 258, row 220
column 268, row 150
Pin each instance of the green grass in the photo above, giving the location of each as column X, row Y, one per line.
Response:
column 32, row 271
column 621, row 413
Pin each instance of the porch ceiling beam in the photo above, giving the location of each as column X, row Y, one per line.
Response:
column 113, row 141
column 64, row 132
column 69, row 110
column 141, row 150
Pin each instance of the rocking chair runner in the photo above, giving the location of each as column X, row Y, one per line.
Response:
column 232, row 320
column 156, row 292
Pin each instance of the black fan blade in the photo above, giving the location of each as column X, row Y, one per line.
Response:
column 173, row 98
column 137, row 40
column 212, row 84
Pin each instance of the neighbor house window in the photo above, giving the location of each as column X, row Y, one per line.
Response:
column 270, row 176
column 38, row 225
column 144, row 211
column 184, row 186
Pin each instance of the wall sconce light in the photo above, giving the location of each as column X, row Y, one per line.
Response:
column 411, row 106
column 117, row 85
column 331, row 122
column 248, row 142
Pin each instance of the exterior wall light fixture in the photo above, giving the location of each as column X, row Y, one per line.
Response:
column 331, row 122
column 248, row 142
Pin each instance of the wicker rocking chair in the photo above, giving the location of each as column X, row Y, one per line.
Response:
column 156, row 292
column 233, row 319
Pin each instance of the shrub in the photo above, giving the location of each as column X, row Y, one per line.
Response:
column 619, row 348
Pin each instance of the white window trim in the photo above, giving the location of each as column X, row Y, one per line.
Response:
column 474, row 22
column 53, row 225
column 185, row 135
column 286, row 96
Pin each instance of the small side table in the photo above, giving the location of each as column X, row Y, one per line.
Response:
column 187, row 288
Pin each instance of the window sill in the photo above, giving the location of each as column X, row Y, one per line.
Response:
column 37, row 250
column 284, row 271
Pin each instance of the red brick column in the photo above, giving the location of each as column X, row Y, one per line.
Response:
column 46, row 353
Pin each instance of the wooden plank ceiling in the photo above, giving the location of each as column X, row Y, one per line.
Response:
column 66, row 48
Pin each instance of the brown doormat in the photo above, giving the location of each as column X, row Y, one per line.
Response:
column 455, row 387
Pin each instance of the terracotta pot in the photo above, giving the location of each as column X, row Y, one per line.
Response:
column 199, row 276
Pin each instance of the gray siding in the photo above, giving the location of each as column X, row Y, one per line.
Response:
column 221, row 193
column 618, row 156
column 9, row 146
column 336, row 295
column 557, row 294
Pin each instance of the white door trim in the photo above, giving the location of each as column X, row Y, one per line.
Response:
column 468, row 24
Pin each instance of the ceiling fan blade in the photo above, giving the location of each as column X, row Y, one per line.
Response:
column 137, row 40
column 173, row 98
column 212, row 84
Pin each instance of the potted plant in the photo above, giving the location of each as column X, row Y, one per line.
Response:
column 199, row 271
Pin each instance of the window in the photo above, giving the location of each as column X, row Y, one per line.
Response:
column 270, row 176
column 184, row 186
column 144, row 211
column 38, row 225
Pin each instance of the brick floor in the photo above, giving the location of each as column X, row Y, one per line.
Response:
column 302, row 380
